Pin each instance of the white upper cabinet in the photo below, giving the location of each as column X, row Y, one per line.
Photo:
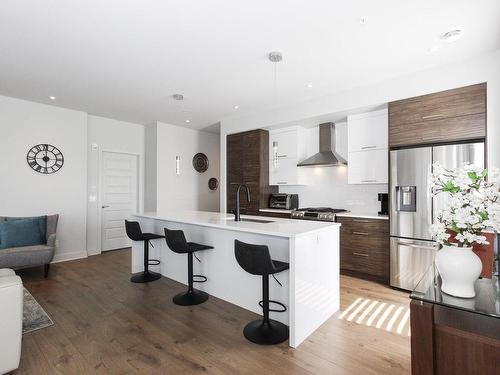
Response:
column 286, row 149
column 368, row 148
column 368, row 167
column 368, row 131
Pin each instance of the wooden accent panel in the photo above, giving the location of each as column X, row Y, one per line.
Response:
column 364, row 247
column 447, row 116
column 422, row 338
column 248, row 163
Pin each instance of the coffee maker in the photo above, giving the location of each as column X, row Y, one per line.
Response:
column 383, row 198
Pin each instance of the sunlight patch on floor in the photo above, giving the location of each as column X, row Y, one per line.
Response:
column 379, row 315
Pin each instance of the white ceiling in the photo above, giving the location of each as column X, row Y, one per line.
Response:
column 124, row 59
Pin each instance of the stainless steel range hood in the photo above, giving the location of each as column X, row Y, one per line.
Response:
column 327, row 156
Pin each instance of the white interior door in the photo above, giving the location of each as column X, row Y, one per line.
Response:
column 119, row 198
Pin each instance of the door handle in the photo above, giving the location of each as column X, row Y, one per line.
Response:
column 105, row 206
column 416, row 246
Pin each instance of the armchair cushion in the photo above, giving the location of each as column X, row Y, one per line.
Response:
column 23, row 232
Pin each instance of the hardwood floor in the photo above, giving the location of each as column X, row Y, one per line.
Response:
column 106, row 325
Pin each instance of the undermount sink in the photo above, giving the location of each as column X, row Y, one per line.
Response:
column 257, row 220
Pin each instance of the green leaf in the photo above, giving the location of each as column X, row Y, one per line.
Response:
column 472, row 175
column 450, row 188
column 485, row 173
column 484, row 215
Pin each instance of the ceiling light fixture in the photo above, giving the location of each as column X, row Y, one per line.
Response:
column 451, row 35
column 178, row 97
column 275, row 57
column 188, row 121
column 52, row 97
column 309, row 85
column 236, row 107
column 363, row 20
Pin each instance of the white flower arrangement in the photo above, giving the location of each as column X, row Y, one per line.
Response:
column 473, row 204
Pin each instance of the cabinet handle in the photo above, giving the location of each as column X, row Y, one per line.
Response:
column 372, row 180
column 368, row 147
column 361, row 255
column 282, row 156
column 416, row 246
column 431, row 138
column 281, row 183
column 361, row 221
column 429, row 117
column 360, row 233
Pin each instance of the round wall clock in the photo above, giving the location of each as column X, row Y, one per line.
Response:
column 45, row 158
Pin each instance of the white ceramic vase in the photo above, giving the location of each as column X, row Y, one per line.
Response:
column 459, row 268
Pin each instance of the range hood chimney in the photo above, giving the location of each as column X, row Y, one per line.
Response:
column 327, row 156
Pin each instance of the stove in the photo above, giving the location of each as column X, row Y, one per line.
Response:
column 316, row 213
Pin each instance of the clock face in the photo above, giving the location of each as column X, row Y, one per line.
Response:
column 45, row 158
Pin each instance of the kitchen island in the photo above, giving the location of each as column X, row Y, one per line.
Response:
column 310, row 288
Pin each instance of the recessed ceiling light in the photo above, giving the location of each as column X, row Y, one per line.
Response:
column 236, row 107
column 363, row 20
column 309, row 85
column 451, row 35
column 52, row 97
column 188, row 121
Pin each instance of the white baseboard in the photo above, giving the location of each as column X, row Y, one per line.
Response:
column 64, row 257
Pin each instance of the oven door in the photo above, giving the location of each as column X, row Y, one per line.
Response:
column 410, row 259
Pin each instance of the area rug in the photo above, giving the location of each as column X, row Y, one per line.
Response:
column 34, row 316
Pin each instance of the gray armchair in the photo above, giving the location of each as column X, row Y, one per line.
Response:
column 32, row 256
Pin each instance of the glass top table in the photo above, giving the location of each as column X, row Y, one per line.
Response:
column 486, row 302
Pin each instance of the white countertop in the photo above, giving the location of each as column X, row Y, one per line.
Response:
column 278, row 227
column 364, row 215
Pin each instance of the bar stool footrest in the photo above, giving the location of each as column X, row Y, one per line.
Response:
column 203, row 279
column 153, row 262
column 261, row 304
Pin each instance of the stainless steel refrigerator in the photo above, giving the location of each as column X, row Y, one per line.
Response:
column 413, row 209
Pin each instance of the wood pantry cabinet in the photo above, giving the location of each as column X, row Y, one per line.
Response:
column 447, row 116
column 364, row 248
column 248, row 163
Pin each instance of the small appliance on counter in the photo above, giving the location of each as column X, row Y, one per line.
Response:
column 383, row 198
column 284, row 201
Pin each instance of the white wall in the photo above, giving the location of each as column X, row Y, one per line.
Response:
column 484, row 68
column 24, row 192
column 108, row 135
column 188, row 190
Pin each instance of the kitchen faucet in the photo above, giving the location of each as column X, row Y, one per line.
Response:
column 237, row 210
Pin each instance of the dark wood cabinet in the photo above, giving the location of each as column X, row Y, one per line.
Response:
column 364, row 248
column 451, row 341
column 446, row 116
column 248, row 163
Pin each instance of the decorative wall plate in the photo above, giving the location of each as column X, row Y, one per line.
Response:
column 213, row 183
column 200, row 162
column 45, row 158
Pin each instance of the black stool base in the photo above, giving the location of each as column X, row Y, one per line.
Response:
column 145, row 277
column 261, row 333
column 190, row 298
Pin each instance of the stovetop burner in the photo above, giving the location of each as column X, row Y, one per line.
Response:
column 322, row 209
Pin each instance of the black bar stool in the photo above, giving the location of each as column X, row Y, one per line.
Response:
column 178, row 244
column 255, row 259
column 134, row 232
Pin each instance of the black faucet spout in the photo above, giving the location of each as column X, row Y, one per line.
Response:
column 237, row 211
